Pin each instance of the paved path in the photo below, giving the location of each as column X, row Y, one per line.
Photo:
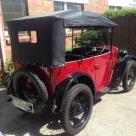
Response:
column 113, row 115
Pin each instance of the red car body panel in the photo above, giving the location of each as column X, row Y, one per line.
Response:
column 99, row 68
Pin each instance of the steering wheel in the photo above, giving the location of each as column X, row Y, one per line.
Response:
column 94, row 50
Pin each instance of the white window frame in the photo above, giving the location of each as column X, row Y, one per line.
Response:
column 75, row 1
column 66, row 4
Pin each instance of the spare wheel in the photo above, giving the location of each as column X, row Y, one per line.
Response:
column 29, row 87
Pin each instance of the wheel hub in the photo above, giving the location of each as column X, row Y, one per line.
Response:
column 79, row 110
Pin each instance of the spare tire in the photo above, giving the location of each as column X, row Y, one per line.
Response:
column 28, row 86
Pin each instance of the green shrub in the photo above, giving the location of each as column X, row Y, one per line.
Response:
column 120, row 12
column 68, row 49
column 88, row 37
column 7, row 73
column 10, row 67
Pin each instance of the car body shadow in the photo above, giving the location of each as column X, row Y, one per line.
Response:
column 18, row 123
column 97, row 100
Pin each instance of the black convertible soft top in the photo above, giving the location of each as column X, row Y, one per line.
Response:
column 49, row 50
column 73, row 18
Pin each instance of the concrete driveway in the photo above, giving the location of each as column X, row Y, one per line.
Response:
column 113, row 115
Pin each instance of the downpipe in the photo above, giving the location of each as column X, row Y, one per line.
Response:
column 2, row 48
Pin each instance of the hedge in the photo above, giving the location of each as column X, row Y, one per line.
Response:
column 120, row 12
column 89, row 37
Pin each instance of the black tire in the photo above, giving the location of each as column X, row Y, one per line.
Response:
column 38, row 84
column 72, row 94
column 129, row 77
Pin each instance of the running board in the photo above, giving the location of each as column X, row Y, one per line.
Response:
column 102, row 92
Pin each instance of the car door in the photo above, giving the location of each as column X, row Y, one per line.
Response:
column 103, row 70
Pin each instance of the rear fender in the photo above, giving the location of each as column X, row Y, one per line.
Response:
column 67, row 84
column 119, row 70
column 74, row 79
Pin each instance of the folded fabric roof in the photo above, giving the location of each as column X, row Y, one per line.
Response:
column 73, row 18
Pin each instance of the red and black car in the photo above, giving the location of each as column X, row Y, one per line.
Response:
column 45, row 74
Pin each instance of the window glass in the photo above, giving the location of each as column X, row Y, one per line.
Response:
column 27, row 36
column 13, row 9
column 58, row 5
column 67, row 5
column 115, row 7
column 76, row 38
column 71, row 35
column 74, row 6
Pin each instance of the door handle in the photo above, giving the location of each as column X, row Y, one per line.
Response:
column 97, row 66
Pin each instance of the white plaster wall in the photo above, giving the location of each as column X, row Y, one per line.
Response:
column 122, row 3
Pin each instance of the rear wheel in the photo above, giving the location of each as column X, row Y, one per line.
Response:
column 77, row 108
column 129, row 78
column 29, row 87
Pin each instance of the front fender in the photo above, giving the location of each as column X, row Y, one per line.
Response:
column 119, row 70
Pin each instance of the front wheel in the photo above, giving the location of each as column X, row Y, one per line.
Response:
column 129, row 78
column 77, row 108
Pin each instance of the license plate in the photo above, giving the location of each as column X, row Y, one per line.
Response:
column 23, row 105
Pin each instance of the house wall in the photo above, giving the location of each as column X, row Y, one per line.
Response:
column 122, row 3
column 0, row 37
column 7, row 48
column 97, row 6
column 39, row 6
column 42, row 6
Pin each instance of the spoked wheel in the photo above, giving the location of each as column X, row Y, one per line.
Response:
column 30, row 91
column 129, row 78
column 77, row 108
column 29, row 87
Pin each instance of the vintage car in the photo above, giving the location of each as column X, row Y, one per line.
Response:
column 67, row 81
